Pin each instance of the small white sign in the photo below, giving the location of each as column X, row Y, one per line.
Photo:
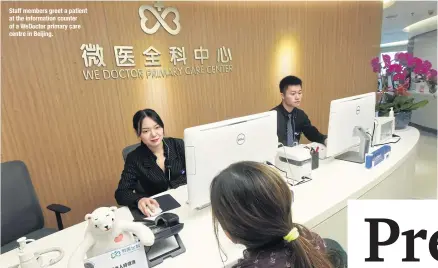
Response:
column 392, row 233
column 132, row 256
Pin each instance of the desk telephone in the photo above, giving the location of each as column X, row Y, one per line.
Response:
column 165, row 226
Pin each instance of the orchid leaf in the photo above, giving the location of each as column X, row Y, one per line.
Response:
column 419, row 104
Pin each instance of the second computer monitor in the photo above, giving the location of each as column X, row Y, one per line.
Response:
column 211, row 148
column 349, row 121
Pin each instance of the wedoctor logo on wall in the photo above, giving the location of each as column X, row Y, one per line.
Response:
column 160, row 19
column 392, row 233
column 95, row 58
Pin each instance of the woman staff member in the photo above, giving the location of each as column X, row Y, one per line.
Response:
column 252, row 203
column 157, row 164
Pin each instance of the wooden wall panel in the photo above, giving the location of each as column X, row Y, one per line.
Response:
column 70, row 132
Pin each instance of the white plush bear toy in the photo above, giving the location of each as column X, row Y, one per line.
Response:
column 106, row 233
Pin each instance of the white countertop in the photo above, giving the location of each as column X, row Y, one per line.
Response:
column 332, row 184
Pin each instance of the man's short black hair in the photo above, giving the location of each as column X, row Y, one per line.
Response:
column 289, row 81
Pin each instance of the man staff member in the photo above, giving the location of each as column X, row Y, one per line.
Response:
column 292, row 121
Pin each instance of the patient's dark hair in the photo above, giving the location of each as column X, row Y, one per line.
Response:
column 137, row 120
column 252, row 203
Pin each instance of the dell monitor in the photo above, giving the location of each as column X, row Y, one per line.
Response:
column 350, row 122
column 212, row 147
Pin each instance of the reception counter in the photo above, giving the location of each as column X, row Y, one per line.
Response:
column 320, row 204
column 426, row 116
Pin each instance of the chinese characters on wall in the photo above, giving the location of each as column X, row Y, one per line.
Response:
column 181, row 61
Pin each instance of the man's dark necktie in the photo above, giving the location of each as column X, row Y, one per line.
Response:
column 290, row 134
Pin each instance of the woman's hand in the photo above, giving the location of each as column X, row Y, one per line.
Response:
column 145, row 203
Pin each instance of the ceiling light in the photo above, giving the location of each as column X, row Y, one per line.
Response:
column 393, row 44
column 427, row 23
column 388, row 3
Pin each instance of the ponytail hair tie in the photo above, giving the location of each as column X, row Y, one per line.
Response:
column 292, row 235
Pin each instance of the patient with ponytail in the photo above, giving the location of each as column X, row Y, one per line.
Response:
column 252, row 203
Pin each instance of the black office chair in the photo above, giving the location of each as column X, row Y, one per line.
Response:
column 129, row 149
column 21, row 213
column 125, row 152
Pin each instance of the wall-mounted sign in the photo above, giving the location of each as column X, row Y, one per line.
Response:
column 147, row 11
column 93, row 56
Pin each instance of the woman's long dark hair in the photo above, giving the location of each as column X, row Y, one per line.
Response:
column 252, row 203
column 137, row 119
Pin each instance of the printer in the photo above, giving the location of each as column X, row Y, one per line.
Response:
column 295, row 162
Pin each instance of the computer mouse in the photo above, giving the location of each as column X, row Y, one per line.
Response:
column 167, row 220
column 157, row 211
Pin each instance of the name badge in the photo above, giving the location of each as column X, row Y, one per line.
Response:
column 132, row 256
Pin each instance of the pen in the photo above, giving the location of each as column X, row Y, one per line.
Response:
column 317, row 148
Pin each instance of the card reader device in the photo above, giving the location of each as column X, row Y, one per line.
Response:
column 295, row 161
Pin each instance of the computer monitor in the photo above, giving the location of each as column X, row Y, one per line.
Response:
column 350, row 121
column 212, row 147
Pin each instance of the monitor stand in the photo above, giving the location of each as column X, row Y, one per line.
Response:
column 357, row 157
